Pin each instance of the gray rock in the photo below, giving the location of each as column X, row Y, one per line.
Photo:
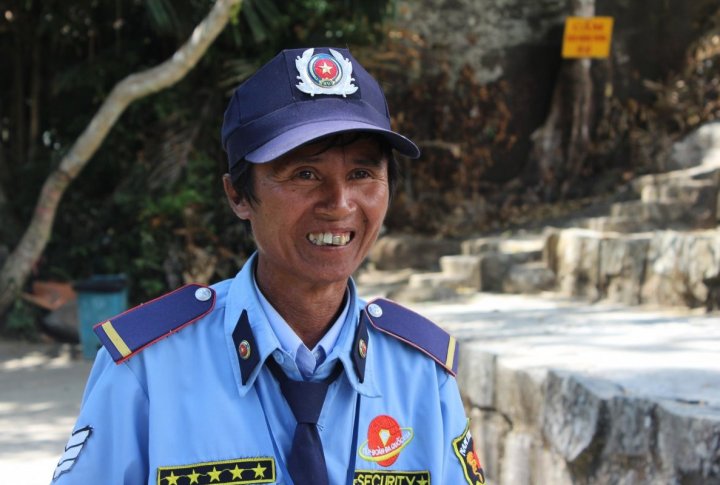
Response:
column 403, row 251
column 529, row 278
column 701, row 147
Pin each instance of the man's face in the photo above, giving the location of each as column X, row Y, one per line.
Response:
column 318, row 212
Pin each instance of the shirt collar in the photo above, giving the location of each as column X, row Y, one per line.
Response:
column 289, row 340
column 242, row 297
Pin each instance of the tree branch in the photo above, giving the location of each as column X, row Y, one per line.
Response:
column 16, row 269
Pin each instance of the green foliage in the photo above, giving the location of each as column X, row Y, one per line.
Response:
column 21, row 322
column 150, row 204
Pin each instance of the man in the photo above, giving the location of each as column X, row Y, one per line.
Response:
column 282, row 374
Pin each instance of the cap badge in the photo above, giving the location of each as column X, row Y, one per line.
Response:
column 325, row 73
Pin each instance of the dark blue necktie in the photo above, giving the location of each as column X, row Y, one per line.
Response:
column 306, row 462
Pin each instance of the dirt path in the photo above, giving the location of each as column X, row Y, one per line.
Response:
column 40, row 391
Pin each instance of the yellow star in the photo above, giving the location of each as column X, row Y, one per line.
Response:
column 259, row 471
column 325, row 68
column 172, row 479
column 237, row 472
column 422, row 481
column 194, row 477
column 215, row 475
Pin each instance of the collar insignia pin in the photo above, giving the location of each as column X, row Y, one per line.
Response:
column 244, row 350
column 362, row 348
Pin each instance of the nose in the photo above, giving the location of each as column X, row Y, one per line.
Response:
column 336, row 199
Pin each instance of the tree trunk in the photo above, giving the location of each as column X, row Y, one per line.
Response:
column 561, row 143
column 16, row 269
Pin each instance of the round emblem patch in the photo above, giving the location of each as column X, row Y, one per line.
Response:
column 386, row 439
column 244, row 350
column 324, row 70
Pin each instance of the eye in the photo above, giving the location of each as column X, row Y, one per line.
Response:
column 361, row 173
column 305, row 175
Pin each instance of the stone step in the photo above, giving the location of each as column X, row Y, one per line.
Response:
column 665, row 214
column 462, row 268
column 701, row 172
column 617, row 224
column 532, row 277
column 687, row 192
column 434, row 280
column 523, row 249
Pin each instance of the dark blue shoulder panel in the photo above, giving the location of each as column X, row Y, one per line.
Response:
column 415, row 330
column 128, row 333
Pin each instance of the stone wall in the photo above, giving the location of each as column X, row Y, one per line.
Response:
column 538, row 427
column 667, row 268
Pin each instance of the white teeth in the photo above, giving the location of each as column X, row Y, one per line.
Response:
column 328, row 238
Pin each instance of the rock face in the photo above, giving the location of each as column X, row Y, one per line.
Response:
column 541, row 427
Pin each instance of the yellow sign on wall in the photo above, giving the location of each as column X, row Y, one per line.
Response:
column 587, row 37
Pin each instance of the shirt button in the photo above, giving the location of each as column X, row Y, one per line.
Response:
column 279, row 357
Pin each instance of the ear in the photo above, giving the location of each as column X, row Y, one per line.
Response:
column 238, row 204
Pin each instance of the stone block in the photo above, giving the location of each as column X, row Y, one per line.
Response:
column 686, row 192
column 516, row 460
column 476, row 374
column 480, row 245
column 404, row 251
column 699, row 147
column 422, row 294
column 688, row 442
column 528, row 278
column 520, row 394
column 677, row 264
column 699, row 215
column 578, row 259
column 463, row 268
column 489, row 430
column 494, row 267
column 617, row 224
column 631, row 432
column 622, row 267
column 434, row 280
column 573, row 412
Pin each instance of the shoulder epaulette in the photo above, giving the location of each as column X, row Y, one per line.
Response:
column 128, row 333
column 415, row 330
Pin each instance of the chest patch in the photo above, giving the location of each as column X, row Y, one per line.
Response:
column 381, row 477
column 464, row 449
column 238, row 472
column 386, row 439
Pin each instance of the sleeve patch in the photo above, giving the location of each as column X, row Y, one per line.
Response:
column 74, row 446
column 464, row 449
column 415, row 330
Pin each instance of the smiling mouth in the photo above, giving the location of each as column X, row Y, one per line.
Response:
column 329, row 238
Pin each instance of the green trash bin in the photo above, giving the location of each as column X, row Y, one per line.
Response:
column 99, row 298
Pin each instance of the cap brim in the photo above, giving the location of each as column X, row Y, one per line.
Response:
column 295, row 137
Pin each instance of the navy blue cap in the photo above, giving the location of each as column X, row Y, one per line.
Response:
column 302, row 95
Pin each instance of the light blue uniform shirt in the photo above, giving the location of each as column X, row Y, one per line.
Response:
column 189, row 409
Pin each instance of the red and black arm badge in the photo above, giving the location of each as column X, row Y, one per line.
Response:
column 415, row 330
column 128, row 333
